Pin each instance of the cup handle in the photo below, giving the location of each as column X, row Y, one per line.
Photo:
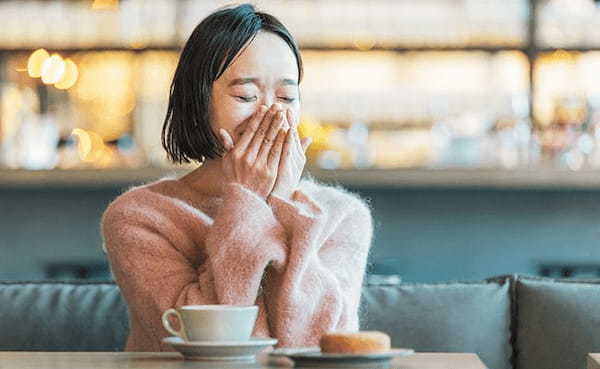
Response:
column 167, row 324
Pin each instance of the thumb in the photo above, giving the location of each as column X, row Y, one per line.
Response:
column 306, row 143
column 227, row 140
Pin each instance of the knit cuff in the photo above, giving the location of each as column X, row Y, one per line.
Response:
column 300, row 214
column 243, row 217
column 241, row 243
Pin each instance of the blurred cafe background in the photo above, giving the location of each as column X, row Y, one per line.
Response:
column 471, row 126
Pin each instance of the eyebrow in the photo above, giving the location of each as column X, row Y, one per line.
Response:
column 244, row 81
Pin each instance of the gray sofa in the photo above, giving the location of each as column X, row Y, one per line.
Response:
column 509, row 321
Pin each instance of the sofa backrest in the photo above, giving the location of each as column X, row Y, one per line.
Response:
column 555, row 322
column 88, row 316
column 449, row 317
column 558, row 322
column 55, row 316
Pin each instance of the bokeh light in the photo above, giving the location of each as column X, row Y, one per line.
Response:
column 69, row 77
column 35, row 62
column 53, row 69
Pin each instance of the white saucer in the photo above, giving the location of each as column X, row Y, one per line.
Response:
column 313, row 357
column 220, row 350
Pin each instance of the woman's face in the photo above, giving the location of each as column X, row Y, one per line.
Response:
column 264, row 73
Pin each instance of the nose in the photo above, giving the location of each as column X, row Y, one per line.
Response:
column 267, row 101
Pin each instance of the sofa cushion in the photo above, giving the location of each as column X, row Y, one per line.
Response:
column 452, row 317
column 51, row 316
column 558, row 322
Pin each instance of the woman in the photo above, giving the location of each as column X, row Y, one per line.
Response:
column 242, row 228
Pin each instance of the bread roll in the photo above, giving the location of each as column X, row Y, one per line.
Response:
column 355, row 342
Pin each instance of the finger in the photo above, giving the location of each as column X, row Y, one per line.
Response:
column 296, row 143
column 267, row 143
column 254, row 145
column 253, row 125
column 277, row 154
column 306, row 143
column 286, row 151
column 227, row 140
column 285, row 125
column 276, row 125
column 291, row 118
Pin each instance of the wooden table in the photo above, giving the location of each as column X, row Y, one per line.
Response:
column 157, row 360
column 593, row 361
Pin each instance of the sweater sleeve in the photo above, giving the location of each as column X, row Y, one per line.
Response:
column 144, row 246
column 319, row 288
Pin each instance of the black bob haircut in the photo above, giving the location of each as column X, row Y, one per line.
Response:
column 186, row 133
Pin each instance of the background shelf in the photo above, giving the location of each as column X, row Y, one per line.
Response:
column 450, row 178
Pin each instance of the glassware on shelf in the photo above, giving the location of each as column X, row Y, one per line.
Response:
column 592, row 143
column 148, row 23
column 153, row 74
column 387, row 23
column 28, row 138
column 560, row 140
column 357, row 137
column 406, row 148
column 567, row 89
column 568, row 23
column 510, row 143
column 38, row 137
column 377, row 108
column 78, row 24
column 18, row 120
column 397, row 88
column 462, row 140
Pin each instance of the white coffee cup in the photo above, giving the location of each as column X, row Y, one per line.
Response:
column 212, row 322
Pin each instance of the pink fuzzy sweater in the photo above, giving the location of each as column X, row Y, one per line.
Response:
column 301, row 261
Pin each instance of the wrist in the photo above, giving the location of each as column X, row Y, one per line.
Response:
column 254, row 191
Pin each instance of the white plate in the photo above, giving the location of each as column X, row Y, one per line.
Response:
column 220, row 350
column 313, row 357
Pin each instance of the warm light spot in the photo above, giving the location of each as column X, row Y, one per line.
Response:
column 35, row 62
column 105, row 5
column 138, row 44
column 97, row 147
column 106, row 158
column 365, row 43
column 106, row 92
column 85, row 142
column 320, row 134
column 70, row 76
column 10, row 105
column 308, row 126
column 154, row 73
column 53, row 69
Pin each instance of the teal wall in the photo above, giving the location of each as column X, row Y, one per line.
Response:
column 423, row 235
column 436, row 235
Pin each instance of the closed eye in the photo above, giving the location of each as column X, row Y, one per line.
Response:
column 253, row 98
